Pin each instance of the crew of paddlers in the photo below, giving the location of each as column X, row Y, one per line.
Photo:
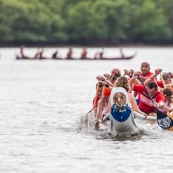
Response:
column 139, row 85
column 69, row 55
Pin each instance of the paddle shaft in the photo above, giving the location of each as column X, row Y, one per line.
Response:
column 146, row 89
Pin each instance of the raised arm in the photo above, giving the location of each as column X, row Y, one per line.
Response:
column 134, row 80
column 153, row 77
column 105, row 81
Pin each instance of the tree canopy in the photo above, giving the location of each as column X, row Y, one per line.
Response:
column 91, row 22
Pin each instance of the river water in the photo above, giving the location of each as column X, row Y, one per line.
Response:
column 42, row 102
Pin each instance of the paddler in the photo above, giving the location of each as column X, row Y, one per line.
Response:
column 145, row 103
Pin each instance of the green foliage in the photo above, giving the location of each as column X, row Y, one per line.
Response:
column 86, row 21
column 30, row 21
column 148, row 23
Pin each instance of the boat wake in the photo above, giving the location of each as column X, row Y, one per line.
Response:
column 87, row 125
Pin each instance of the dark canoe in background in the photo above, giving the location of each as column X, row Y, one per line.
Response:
column 84, row 59
column 29, row 58
column 105, row 58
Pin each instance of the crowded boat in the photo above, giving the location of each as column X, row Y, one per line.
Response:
column 99, row 55
column 126, row 100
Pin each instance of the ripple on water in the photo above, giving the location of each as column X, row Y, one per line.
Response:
column 40, row 104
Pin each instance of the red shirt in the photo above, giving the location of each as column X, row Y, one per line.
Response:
column 147, row 76
column 160, row 84
column 145, row 104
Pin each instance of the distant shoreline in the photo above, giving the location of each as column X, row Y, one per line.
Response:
column 88, row 46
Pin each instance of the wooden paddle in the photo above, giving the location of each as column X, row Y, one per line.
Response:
column 163, row 120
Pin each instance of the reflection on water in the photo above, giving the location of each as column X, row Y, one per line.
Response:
column 42, row 103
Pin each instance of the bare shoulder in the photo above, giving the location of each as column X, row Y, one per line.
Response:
column 131, row 97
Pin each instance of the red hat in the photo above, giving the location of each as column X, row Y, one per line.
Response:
column 107, row 92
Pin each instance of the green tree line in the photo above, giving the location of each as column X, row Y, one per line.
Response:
column 91, row 22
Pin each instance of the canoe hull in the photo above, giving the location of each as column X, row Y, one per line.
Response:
column 76, row 59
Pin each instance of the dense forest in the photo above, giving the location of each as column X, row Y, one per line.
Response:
column 86, row 22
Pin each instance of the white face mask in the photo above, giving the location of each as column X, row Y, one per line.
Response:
column 119, row 99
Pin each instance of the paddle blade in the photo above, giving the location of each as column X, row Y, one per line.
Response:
column 163, row 120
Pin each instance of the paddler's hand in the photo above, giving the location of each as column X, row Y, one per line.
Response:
column 156, row 105
column 115, row 71
column 100, row 78
column 127, row 72
column 131, row 71
column 106, row 75
column 170, row 74
column 135, row 75
column 158, row 71
column 143, row 113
